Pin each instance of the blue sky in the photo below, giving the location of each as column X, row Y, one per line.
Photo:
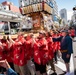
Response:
column 15, row 2
column 68, row 4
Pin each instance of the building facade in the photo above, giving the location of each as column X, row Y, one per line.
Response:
column 10, row 18
column 55, row 10
column 63, row 15
column 10, row 6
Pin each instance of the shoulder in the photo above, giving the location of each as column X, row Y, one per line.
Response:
column 68, row 38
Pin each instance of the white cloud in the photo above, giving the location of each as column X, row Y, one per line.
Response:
column 69, row 14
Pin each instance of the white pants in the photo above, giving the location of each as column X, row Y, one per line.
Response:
column 22, row 69
column 31, row 67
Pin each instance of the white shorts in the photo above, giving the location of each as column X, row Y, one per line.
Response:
column 22, row 69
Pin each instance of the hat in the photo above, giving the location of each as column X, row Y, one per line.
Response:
column 64, row 31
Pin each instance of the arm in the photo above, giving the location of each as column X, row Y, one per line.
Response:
column 10, row 39
column 11, row 72
column 5, row 64
column 57, row 39
column 20, row 42
column 1, row 45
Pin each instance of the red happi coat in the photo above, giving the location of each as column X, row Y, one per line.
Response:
column 1, row 53
column 5, row 48
column 36, row 54
column 54, row 44
column 60, row 34
column 69, row 32
column 7, row 51
column 41, row 51
column 50, row 48
column 72, row 31
column 20, row 52
column 29, row 49
column 58, row 43
column 10, row 55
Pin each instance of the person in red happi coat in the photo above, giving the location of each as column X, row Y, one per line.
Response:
column 28, row 46
column 20, row 55
column 50, row 45
column 10, row 55
column 41, row 53
column 55, row 45
column 4, row 50
column 2, row 70
column 51, row 51
column 5, row 46
column 1, row 50
column 30, row 52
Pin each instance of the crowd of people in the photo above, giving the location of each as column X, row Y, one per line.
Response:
column 40, row 50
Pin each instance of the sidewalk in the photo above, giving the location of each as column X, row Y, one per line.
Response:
column 61, row 68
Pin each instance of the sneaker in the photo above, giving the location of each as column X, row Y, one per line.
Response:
column 64, row 72
column 54, row 73
column 68, row 73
